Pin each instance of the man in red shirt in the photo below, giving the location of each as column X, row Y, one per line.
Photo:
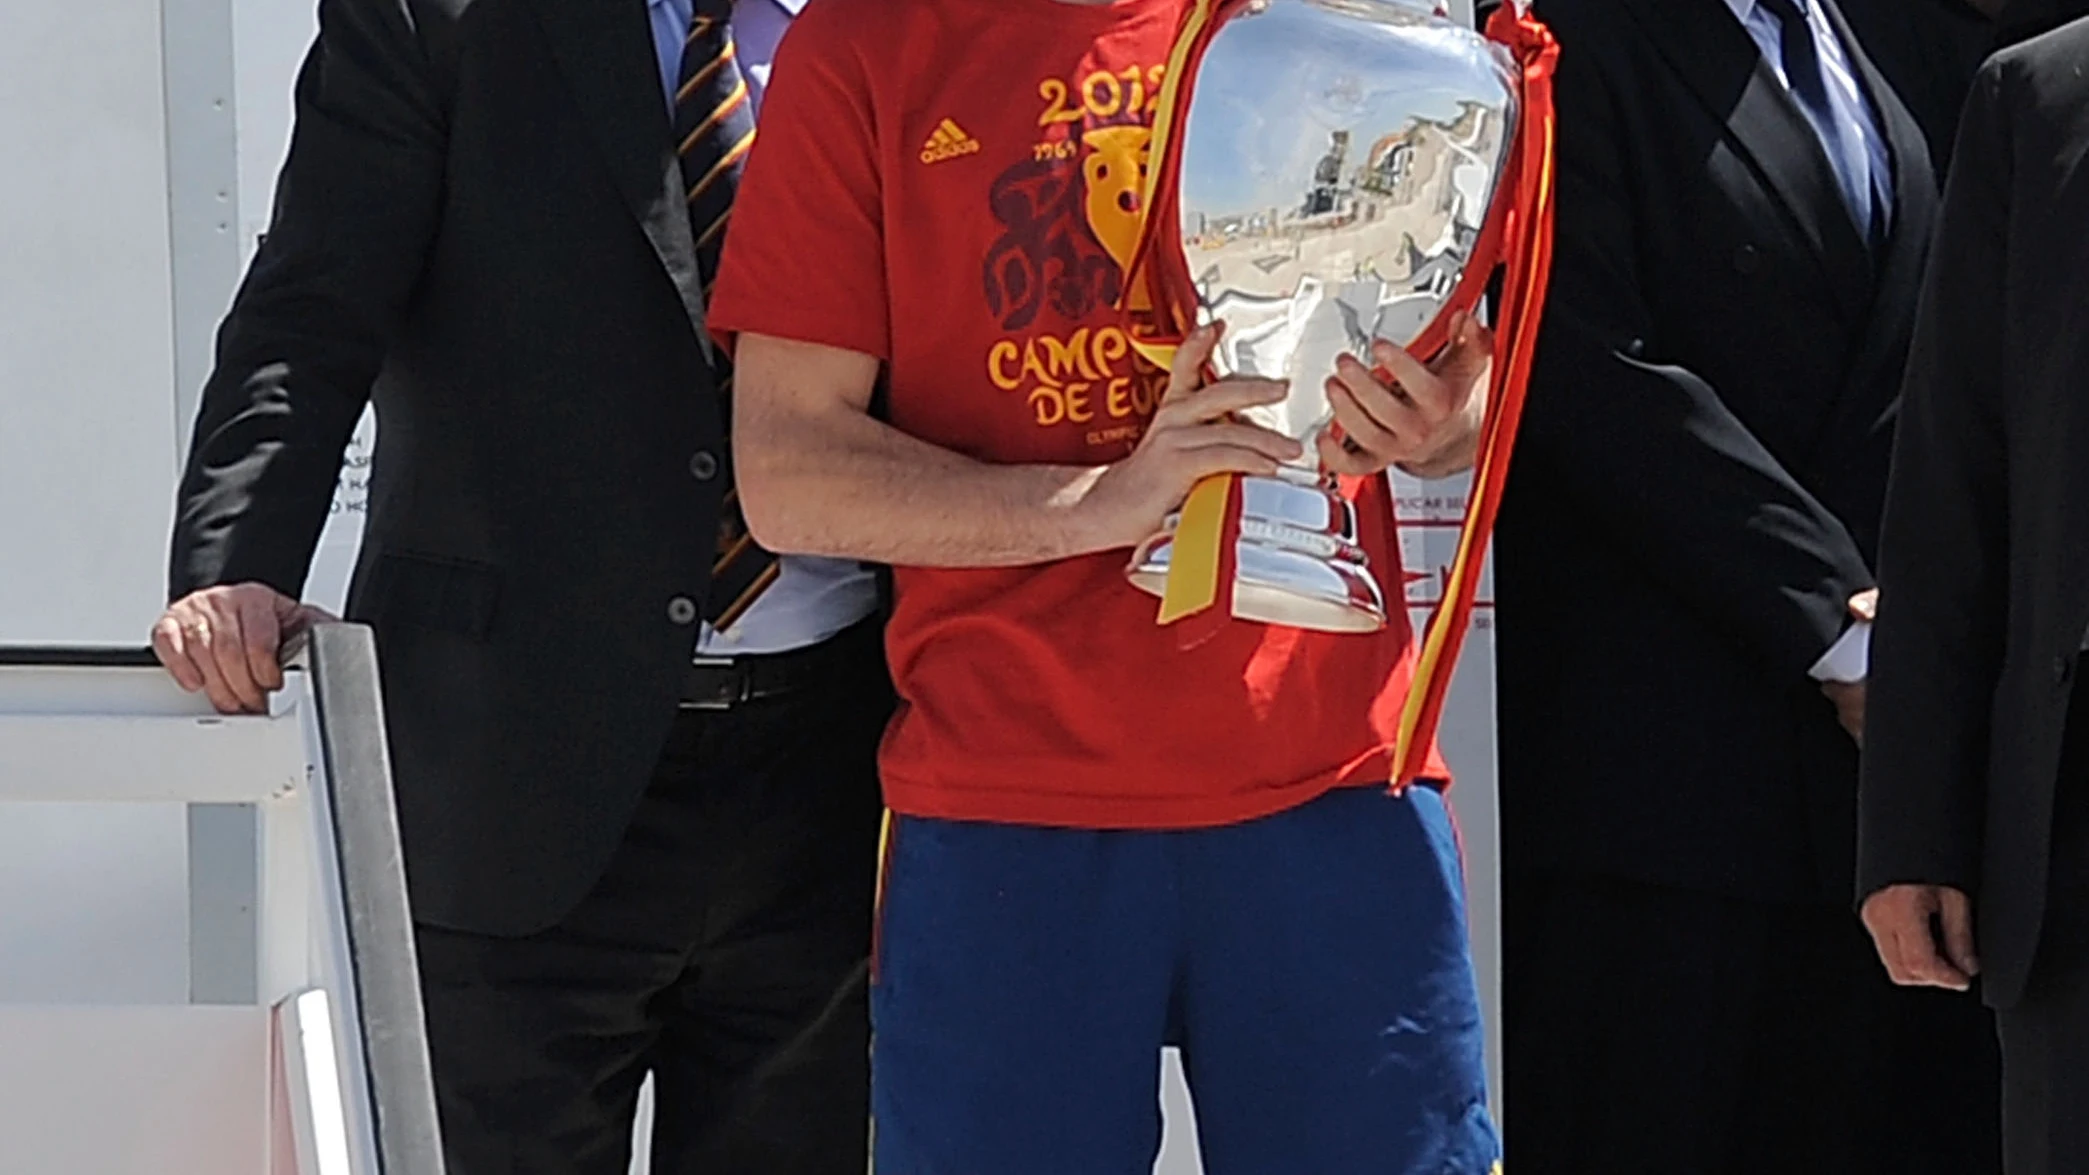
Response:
column 1104, row 841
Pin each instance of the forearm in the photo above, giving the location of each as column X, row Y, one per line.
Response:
column 259, row 481
column 1731, row 530
column 357, row 207
column 847, row 486
column 1944, row 549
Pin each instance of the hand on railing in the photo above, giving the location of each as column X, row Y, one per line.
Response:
column 229, row 642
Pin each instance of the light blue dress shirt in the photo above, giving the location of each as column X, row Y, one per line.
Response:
column 812, row 599
column 1863, row 180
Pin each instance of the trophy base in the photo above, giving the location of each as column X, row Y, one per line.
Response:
column 1296, row 565
column 1346, row 604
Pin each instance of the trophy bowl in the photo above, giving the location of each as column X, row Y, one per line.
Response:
column 1339, row 162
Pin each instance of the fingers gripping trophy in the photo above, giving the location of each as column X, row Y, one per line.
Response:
column 1327, row 174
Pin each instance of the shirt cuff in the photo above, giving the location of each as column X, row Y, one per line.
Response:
column 1848, row 660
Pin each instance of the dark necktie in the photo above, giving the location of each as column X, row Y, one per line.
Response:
column 714, row 127
column 1808, row 80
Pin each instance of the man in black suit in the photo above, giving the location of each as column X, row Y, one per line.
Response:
column 634, row 757
column 1974, row 808
column 1744, row 210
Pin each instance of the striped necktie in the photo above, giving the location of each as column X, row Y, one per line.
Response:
column 1807, row 78
column 714, row 127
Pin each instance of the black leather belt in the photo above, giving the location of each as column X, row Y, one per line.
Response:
column 723, row 683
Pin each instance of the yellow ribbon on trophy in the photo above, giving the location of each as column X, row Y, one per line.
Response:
column 1197, row 558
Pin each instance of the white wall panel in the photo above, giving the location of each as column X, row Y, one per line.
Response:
column 86, row 351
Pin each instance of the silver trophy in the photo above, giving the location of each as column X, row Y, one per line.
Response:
column 1339, row 161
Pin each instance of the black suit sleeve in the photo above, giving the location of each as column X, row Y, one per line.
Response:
column 356, row 205
column 1648, row 452
column 1944, row 554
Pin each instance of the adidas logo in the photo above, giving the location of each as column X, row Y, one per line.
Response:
column 949, row 142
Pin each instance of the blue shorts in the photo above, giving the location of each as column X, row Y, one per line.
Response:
column 1313, row 967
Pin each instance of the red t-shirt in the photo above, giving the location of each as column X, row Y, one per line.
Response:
column 951, row 186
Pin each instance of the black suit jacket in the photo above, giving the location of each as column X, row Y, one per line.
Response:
column 2022, row 20
column 1698, row 480
column 481, row 219
column 1985, row 565
column 1928, row 51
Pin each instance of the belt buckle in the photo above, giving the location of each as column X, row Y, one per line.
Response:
column 740, row 693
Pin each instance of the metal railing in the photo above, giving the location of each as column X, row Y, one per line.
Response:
column 297, row 900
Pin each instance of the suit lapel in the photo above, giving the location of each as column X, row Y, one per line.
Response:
column 1891, row 316
column 605, row 50
column 1914, row 179
column 1720, row 63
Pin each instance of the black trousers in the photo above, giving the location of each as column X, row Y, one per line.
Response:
column 2045, row 1036
column 1657, row 1031
column 2045, row 1062
column 724, row 952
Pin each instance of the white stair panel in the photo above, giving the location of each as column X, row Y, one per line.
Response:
column 135, row 1091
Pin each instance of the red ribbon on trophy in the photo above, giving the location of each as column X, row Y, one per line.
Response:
column 1515, row 242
